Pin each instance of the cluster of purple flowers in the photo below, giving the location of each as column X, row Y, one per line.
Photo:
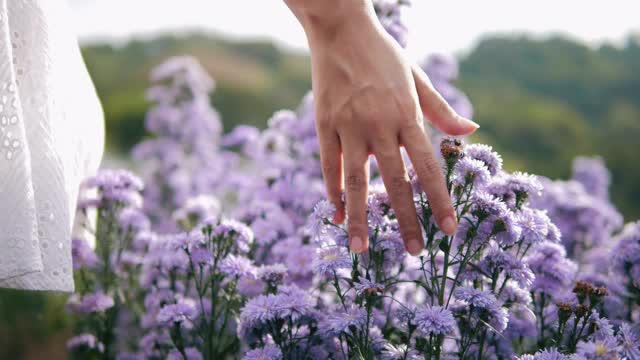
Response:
column 537, row 269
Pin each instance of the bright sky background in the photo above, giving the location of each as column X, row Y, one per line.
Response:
column 436, row 25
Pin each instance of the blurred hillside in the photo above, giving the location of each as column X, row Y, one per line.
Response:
column 540, row 102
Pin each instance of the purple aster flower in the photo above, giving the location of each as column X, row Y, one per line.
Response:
column 242, row 233
column 546, row 354
column 150, row 343
column 604, row 349
column 498, row 260
column 472, row 171
column 183, row 312
column 340, row 321
column 476, row 297
column 331, row 259
column 626, row 253
column 296, row 303
column 240, row 135
column 485, row 304
column 129, row 356
column 237, row 266
column 187, row 240
column 133, row 219
column 520, row 182
column 593, row 175
column 85, row 342
column 629, row 342
column 201, row 257
column 83, row 255
column 400, row 352
column 198, row 208
column 272, row 273
column 269, row 352
column 485, row 153
column 534, row 224
column 259, row 310
column 251, row 286
column 365, row 286
column 299, row 259
column 433, row 320
column 265, row 231
column 91, row 303
column 522, row 322
column 192, row 354
column 324, row 210
column 553, row 271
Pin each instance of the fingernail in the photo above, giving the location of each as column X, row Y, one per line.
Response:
column 470, row 122
column 448, row 225
column 414, row 247
column 356, row 244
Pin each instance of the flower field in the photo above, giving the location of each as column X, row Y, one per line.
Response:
column 224, row 247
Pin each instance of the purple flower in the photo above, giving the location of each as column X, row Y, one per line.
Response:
column 118, row 186
column 237, row 266
column 183, row 312
column 534, row 225
column 485, row 304
column 553, row 271
column 187, row 240
column 299, row 259
column 604, row 349
column 242, row 234
column 520, row 182
column 269, row 352
column 192, row 354
column 365, row 286
column 260, row 310
column 83, row 255
column 241, row 135
column 433, row 320
column 324, row 210
column 341, row 321
column 133, row 219
column 250, row 286
column 476, row 297
column 296, row 303
column 629, row 342
column 626, row 254
column 85, row 342
column 201, row 257
column 593, row 175
column 198, row 208
column 485, row 154
column 546, row 354
column 331, row 259
column 272, row 273
column 470, row 171
column 92, row 303
column 496, row 259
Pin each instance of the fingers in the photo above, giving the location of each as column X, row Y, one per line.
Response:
column 431, row 177
column 396, row 181
column 356, row 171
column 331, row 161
column 436, row 108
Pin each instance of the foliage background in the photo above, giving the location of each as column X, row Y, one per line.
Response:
column 540, row 102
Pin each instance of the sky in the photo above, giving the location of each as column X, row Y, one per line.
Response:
column 448, row 26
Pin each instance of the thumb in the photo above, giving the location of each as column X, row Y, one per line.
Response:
column 436, row 109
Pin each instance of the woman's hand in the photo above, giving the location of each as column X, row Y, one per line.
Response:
column 370, row 100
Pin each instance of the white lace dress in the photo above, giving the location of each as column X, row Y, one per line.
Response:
column 51, row 137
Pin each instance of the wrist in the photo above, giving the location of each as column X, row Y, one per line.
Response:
column 326, row 20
